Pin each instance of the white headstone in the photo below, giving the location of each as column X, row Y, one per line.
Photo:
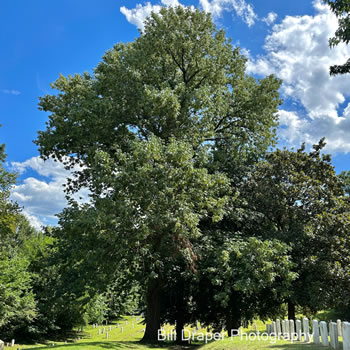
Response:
column 291, row 329
column 324, row 333
column 12, row 342
column 287, row 333
column 103, row 330
column 278, row 327
column 298, row 329
column 99, row 331
column 306, row 330
column 315, row 332
column 339, row 328
column 106, row 335
column 110, row 328
column 274, row 328
column 283, row 327
column 333, row 332
column 121, row 329
column 345, row 329
column 2, row 345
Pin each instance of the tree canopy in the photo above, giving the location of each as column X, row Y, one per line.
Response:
column 144, row 128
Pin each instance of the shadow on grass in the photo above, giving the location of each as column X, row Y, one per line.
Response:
column 118, row 345
column 301, row 346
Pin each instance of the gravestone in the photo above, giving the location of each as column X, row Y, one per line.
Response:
column 315, row 332
column 283, row 327
column 287, row 333
column 324, row 333
column 103, row 330
column 306, row 330
column 106, row 335
column 121, row 329
column 345, row 329
column 291, row 329
column 278, row 327
column 333, row 332
column 2, row 345
column 110, row 328
column 298, row 329
column 274, row 328
column 99, row 331
column 12, row 343
column 339, row 328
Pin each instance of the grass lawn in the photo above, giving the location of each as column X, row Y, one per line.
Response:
column 133, row 332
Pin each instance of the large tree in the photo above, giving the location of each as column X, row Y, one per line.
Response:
column 143, row 128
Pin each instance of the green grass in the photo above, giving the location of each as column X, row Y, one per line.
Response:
column 129, row 339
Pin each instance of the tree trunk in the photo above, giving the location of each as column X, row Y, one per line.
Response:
column 179, row 327
column 233, row 315
column 232, row 325
column 291, row 311
column 153, row 311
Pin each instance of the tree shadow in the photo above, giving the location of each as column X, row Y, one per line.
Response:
column 119, row 345
column 301, row 346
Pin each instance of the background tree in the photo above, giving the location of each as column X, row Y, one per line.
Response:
column 17, row 305
column 341, row 8
column 289, row 193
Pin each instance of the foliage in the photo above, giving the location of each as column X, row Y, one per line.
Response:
column 17, row 305
column 144, row 128
column 344, row 177
column 96, row 309
column 341, row 8
column 292, row 197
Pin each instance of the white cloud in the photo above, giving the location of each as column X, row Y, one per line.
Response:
column 297, row 51
column 138, row 14
column 42, row 199
column 242, row 9
column 270, row 18
column 10, row 92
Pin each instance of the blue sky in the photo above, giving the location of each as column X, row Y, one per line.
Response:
column 41, row 39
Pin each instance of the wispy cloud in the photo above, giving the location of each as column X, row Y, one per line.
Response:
column 10, row 92
column 242, row 9
column 270, row 18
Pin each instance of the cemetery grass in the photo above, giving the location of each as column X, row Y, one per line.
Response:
column 129, row 339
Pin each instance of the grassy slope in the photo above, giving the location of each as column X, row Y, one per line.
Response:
column 128, row 339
